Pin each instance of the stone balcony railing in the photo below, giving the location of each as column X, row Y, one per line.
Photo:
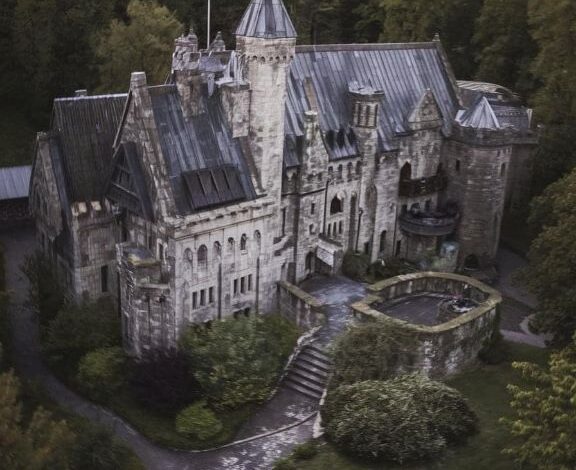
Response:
column 423, row 186
column 428, row 224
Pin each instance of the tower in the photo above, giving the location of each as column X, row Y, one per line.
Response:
column 266, row 41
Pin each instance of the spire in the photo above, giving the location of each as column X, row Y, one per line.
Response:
column 218, row 45
column 267, row 19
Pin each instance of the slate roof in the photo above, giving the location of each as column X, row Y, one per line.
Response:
column 203, row 142
column 321, row 75
column 85, row 128
column 266, row 19
column 479, row 116
column 14, row 182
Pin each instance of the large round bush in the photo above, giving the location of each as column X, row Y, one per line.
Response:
column 198, row 421
column 101, row 372
column 404, row 419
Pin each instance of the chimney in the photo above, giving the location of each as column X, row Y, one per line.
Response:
column 365, row 105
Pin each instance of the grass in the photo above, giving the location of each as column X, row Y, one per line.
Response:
column 486, row 391
column 17, row 137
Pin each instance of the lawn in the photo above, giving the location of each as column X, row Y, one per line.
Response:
column 486, row 390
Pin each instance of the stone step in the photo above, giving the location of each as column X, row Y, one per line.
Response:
column 320, row 356
column 302, row 390
column 311, row 368
column 317, row 349
column 308, row 377
column 311, row 361
column 301, row 386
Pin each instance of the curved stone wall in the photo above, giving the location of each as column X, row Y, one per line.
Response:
column 447, row 348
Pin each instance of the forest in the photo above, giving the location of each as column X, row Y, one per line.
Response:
column 50, row 48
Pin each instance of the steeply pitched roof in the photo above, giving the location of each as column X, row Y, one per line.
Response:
column 14, row 182
column 266, row 19
column 479, row 116
column 403, row 71
column 86, row 127
column 202, row 142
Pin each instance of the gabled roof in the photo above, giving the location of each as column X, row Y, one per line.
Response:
column 479, row 116
column 266, row 19
column 15, row 182
column 200, row 142
column 403, row 71
column 85, row 128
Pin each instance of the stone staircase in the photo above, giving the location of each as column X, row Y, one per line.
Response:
column 309, row 372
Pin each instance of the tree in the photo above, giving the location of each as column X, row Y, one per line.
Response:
column 198, row 421
column 237, row 361
column 371, row 351
column 404, row 419
column 143, row 43
column 505, row 47
column 164, row 381
column 551, row 272
column 42, row 444
column 101, row 372
column 544, row 420
column 552, row 23
column 79, row 329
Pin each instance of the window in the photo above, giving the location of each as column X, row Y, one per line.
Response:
column 283, row 221
column 217, row 251
column 194, row 300
column 383, row 237
column 398, row 247
column 243, row 242
column 203, row 257
column 503, row 169
column 311, row 229
column 243, row 285
column 202, row 298
column 250, row 283
column 235, row 287
column 428, row 205
column 313, row 209
column 406, row 172
column 340, row 227
column 309, row 261
column 457, row 167
column 336, row 206
column 104, row 278
column 231, row 245
column 160, row 252
column 211, row 295
column 329, row 229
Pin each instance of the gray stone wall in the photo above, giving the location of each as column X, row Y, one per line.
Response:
column 444, row 349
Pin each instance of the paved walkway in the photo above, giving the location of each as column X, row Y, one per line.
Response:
column 259, row 454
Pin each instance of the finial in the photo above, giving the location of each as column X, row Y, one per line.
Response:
column 437, row 37
column 191, row 33
column 218, row 45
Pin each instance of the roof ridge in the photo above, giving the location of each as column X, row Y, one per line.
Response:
column 91, row 97
column 365, row 46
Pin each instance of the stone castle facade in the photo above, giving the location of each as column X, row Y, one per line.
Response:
column 188, row 202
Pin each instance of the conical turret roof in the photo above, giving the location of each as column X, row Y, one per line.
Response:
column 266, row 19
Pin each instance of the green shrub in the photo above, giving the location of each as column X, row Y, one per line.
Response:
column 404, row 419
column 198, row 421
column 285, row 464
column 80, row 329
column 355, row 265
column 306, row 451
column 372, row 351
column 237, row 361
column 101, row 372
column 46, row 292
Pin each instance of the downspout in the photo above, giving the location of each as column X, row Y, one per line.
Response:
column 360, row 214
column 328, row 181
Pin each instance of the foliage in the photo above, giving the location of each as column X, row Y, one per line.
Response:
column 79, row 329
column 143, row 43
column 101, row 372
column 40, row 444
column 305, row 451
column 403, row 419
column 544, row 421
column 550, row 275
column 237, row 361
column 505, row 47
column 164, row 382
column 355, row 265
column 198, row 421
column 46, row 293
column 371, row 351
column 4, row 331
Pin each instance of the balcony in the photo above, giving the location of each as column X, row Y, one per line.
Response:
column 436, row 224
column 423, row 186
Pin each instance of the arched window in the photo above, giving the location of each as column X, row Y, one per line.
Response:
column 336, row 206
column 350, row 169
column 203, row 257
column 406, row 172
column 243, row 242
column 503, row 169
column 340, row 169
column 217, row 251
column 309, row 261
column 231, row 245
column 358, row 168
column 340, row 227
column 383, row 237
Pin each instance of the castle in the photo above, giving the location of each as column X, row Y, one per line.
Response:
column 187, row 202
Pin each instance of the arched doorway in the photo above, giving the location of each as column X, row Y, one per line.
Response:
column 406, row 172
